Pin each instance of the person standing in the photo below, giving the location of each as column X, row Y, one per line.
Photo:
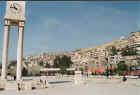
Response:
column 124, row 77
column 18, row 87
column 107, row 73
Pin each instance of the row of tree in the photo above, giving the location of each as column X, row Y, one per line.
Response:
column 61, row 62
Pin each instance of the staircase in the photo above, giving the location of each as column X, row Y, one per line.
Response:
column 11, row 85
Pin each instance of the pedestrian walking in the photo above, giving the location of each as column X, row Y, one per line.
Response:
column 18, row 87
column 124, row 77
column 107, row 73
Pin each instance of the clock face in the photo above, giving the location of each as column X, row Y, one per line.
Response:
column 15, row 8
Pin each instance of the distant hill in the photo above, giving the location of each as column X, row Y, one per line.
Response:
column 115, row 43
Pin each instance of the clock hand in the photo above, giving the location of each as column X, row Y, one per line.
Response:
column 15, row 8
column 11, row 7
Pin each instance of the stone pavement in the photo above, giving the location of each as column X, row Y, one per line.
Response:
column 90, row 88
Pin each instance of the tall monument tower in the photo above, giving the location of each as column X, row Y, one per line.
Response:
column 15, row 16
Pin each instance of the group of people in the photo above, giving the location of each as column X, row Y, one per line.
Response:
column 44, row 82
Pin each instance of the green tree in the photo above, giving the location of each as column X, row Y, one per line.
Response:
column 62, row 62
column 57, row 62
column 63, row 70
column 66, row 61
column 122, row 67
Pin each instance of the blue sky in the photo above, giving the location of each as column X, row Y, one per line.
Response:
column 65, row 26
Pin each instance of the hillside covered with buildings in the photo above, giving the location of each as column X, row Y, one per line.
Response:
column 97, row 56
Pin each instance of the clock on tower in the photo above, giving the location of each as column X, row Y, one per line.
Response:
column 15, row 10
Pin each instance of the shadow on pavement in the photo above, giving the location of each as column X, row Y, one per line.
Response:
column 55, row 82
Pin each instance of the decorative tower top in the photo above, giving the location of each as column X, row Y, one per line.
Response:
column 15, row 10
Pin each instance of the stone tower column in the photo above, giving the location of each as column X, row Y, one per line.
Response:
column 20, row 52
column 5, row 49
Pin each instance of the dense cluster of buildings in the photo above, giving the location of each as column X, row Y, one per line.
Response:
column 95, row 57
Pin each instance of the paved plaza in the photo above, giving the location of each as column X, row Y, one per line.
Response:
column 90, row 87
